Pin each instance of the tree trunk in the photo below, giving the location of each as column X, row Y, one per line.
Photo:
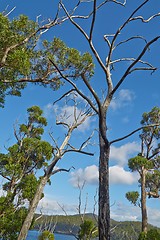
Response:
column 104, row 202
column 143, row 201
column 37, row 197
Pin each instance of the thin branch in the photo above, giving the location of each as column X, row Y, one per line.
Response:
column 129, row 39
column 145, row 20
column 64, row 95
column 79, row 151
column 132, row 59
column 7, row 14
column 127, row 72
column 138, row 129
column 87, row 37
column 75, row 87
column 143, row 69
column 93, row 20
column 91, row 89
column 120, row 29
column 62, row 170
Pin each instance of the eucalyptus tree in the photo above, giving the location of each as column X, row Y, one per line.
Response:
column 147, row 163
column 22, row 61
column 18, row 167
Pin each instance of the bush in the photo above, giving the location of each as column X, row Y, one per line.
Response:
column 152, row 234
column 46, row 235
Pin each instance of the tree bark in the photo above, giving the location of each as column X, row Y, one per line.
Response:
column 143, row 201
column 104, row 202
column 37, row 197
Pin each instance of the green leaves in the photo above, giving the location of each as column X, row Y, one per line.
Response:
column 46, row 235
column 133, row 197
column 136, row 163
column 87, row 230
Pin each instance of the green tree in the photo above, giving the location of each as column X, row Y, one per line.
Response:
column 147, row 163
column 46, row 235
column 18, row 167
column 88, row 230
column 22, row 62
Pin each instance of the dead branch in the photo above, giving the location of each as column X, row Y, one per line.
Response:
column 120, row 29
column 145, row 20
column 129, row 69
column 130, row 134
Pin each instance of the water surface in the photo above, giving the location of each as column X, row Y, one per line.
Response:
column 33, row 235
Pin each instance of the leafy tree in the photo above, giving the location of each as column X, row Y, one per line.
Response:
column 11, row 219
column 147, row 163
column 46, row 235
column 18, row 166
column 21, row 62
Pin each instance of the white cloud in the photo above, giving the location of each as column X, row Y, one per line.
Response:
column 124, row 98
column 48, row 205
column 122, row 154
column 118, row 175
column 49, row 111
column 89, row 175
column 154, row 216
column 123, row 212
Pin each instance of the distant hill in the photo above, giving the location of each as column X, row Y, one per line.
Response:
column 70, row 225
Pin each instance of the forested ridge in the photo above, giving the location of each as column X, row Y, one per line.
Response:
column 70, row 225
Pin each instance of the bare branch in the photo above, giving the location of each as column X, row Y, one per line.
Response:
column 93, row 20
column 87, row 37
column 7, row 14
column 62, row 170
column 129, row 39
column 145, row 20
column 133, row 59
column 130, row 134
column 128, row 71
column 91, row 90
column 120, row 29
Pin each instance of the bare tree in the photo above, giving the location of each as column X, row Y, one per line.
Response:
column 100, row 106
column 79, row 117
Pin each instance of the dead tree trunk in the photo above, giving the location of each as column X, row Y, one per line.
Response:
column 104, row 202
column 37, row 197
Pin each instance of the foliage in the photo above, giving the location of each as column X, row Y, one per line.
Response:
column 136, row 163
column 46, row 235
column 11, row 219
column 153, row 234
column 133, row 197
column 87, row 230
column 21, row 61
column 18, row 166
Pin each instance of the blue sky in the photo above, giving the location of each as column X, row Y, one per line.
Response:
column 139, row 93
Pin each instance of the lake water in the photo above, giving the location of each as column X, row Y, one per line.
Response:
column 33, row 235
